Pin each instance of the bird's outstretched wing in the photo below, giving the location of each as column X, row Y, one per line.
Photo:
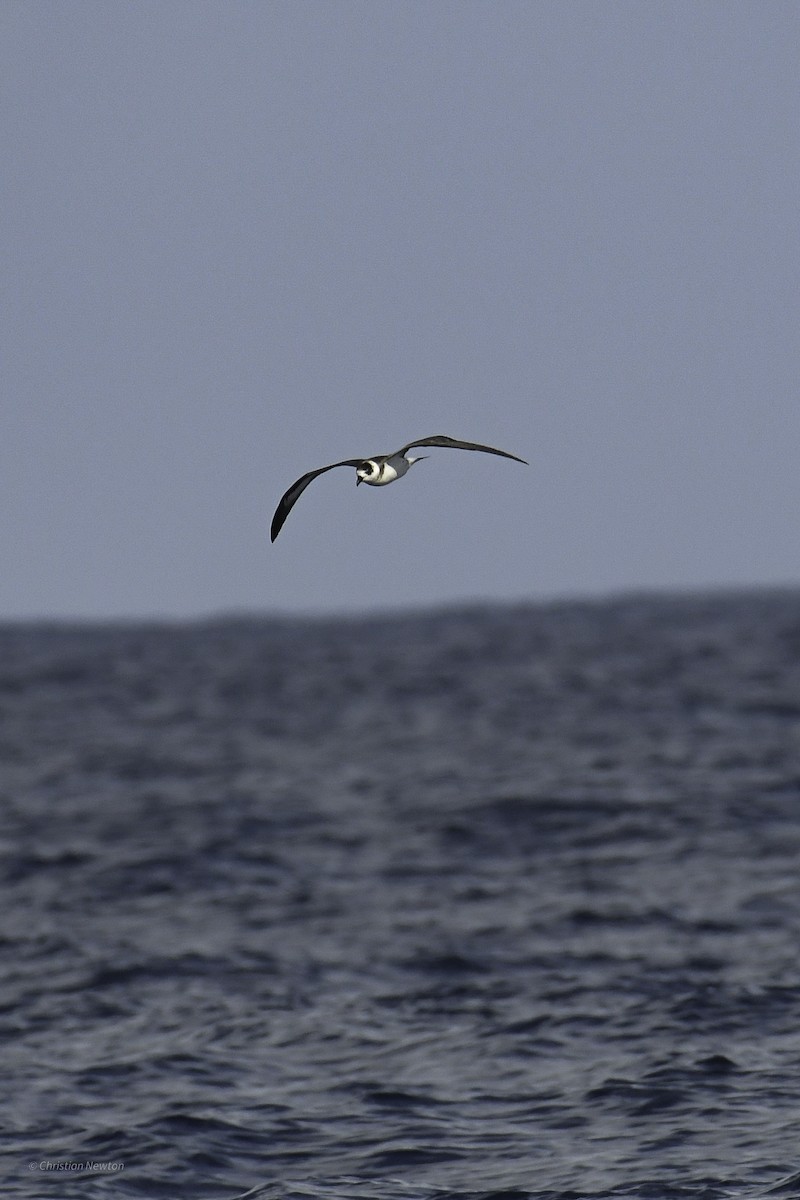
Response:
column 292, row 494
column 454, row 444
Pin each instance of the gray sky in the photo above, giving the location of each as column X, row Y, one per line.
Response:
column 244, row 239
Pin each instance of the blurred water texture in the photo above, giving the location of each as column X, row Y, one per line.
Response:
column 487, row 902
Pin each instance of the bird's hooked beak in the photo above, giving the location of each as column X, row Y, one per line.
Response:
column 358, row 480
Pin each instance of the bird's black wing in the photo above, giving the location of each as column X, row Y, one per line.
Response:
column 291, row 496
column 454, row 444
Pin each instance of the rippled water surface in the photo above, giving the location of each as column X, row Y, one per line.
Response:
column 495, row 902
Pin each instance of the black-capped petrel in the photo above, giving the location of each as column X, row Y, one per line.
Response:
column 377, row 471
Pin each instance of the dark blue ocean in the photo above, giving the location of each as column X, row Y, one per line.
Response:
column 484, row 902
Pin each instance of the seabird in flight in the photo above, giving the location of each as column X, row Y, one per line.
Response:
column 376, row 471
